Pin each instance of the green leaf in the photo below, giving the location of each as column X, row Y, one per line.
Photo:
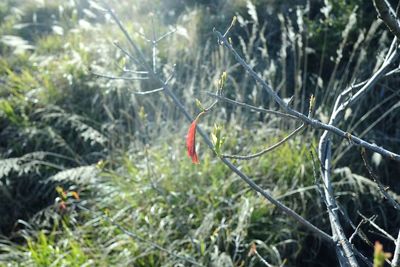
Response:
column 217, row 140
column 199, row 105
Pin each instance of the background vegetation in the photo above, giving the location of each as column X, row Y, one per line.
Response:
column 93, row 174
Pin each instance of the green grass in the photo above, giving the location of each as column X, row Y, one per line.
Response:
column 202, row 212
column 142, row 202
column 149, row 195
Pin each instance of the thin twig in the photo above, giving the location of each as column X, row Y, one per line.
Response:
column 340, row 105
column 300, row 116
column 254, row 108
column 356, row 230
column 383, row 190
column 134, row 71
column 111, row 77
column 396, row 256
column 386, row 234
column 262, row 259
column 126, row 34
column 388, row 15
column 206, row 139
column 148, row 92
column 251, row 183
column 325, row 144
column 165, row 35
column 345, row 256
column 360, row 233
column 126, row 52
column 268, row 149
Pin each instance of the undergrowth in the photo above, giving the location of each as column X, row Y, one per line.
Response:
column 213, row 221
column 92, row 174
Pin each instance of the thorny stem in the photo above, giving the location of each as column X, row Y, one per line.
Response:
column 381, row 187
column 388, row 15
column 325, row 144
column 206, row 139
column 345, row 255
column 300, row 116
column 314, row 123
column 247, row 179
column 386, row 234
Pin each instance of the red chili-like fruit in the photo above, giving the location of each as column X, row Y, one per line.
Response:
column 191, row 142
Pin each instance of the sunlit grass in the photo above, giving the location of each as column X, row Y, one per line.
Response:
column 149, row 195
column 126, row 154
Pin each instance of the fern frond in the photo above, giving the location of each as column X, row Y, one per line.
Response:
column 76, row 122
column 22, row 165
column 79, row 175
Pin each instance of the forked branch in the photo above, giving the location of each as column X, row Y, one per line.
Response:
column 166, row 89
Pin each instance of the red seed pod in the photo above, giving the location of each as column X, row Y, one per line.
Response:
column 191, row 142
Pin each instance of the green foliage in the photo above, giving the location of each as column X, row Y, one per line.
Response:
column 215, row 219
column 379, row 255
column 212, row 219
column 64, row 130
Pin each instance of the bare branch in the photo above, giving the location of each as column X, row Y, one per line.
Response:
column 372, row 223
column 254, row 108
column 111, row 77
column 345, row 256
column 165, row 35
column 388, row 15
column 148, row 92
column 356, row 230
column 247, row 179
column 206, row 139
column 314, row 123
column 325, row 145
column 396, row 256
column 340, row 105
column 134, row 71
column 126, row 52
column 330, row 201
column 126, row 34
column 262, row 152
column 383, row 190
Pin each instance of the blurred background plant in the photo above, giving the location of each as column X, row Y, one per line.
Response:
column 122, row 153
